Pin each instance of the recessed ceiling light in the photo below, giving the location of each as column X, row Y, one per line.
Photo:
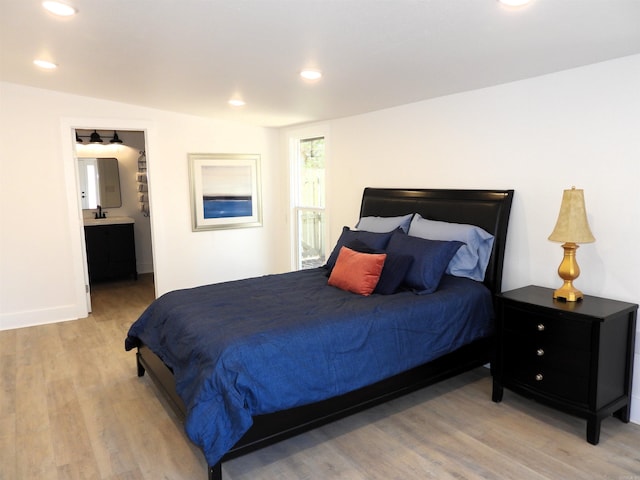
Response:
column 58, row 8
column 45, row 64
column 311, row 74
column 236, row 102
column 514, row 3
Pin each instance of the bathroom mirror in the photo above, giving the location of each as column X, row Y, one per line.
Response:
column 99, row 183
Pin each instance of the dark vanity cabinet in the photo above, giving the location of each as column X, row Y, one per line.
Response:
column 111, row 252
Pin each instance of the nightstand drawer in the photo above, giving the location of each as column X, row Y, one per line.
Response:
column 561, row 385
column 550, row 329
column 544, row 355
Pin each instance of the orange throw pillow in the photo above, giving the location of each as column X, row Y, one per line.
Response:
column 357, row 272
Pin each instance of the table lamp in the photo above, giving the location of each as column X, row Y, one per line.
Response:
column 571, row 228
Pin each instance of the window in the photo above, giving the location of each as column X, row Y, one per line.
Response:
column 89, row 182
column 308, row 179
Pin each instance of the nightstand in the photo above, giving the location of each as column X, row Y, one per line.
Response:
column 573, row 356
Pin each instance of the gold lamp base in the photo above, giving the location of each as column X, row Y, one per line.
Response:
column 568, row 271
column 568, row 293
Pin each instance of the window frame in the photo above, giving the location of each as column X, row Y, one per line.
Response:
column 293, row 139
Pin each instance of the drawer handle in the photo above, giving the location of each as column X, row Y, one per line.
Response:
column 540, row 352
column 539, row 377
column 541, row 327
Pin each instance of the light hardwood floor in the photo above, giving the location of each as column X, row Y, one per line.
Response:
column 72, row 407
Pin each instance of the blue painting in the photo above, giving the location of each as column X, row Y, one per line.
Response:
column 227, row 191
column 227, row 207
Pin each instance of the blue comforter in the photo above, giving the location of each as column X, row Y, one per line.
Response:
column 260, row 345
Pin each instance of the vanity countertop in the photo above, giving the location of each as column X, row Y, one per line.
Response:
column 92, row 222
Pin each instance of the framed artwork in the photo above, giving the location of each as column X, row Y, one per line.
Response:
column 225, row 191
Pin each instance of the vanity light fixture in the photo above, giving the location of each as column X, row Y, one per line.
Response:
column 45, row 64
column 311, row 74
column 115, row 138
column 95, row 138
column 236, row 102
column 59, row 8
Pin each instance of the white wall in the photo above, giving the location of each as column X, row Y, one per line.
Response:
column 40, row 240
column 540, row 136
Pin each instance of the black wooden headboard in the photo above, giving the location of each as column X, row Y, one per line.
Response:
column 488, row 209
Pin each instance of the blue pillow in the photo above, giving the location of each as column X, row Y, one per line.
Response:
column 472, row 259
column 393, row 272
column 430, row 260
column 377, row 241
column 384, row 224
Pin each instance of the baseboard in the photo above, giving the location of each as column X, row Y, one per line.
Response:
column 31, row 318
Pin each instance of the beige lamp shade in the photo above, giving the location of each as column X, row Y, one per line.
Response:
column 572, row 225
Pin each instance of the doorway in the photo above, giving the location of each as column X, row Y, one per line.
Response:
column 132, row 156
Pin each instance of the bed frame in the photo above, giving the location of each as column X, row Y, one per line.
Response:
column 488, row 209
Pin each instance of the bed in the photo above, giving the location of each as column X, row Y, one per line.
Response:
column 248, row 363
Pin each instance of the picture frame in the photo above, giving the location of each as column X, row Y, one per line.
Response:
column 225, row 191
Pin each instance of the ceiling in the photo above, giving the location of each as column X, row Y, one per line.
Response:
column 192, row 56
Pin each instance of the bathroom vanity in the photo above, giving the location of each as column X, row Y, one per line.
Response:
column 111, row 252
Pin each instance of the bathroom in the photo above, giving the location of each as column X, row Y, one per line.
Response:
column 129, row 172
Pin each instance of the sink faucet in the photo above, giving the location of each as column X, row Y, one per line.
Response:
column 100, row 213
